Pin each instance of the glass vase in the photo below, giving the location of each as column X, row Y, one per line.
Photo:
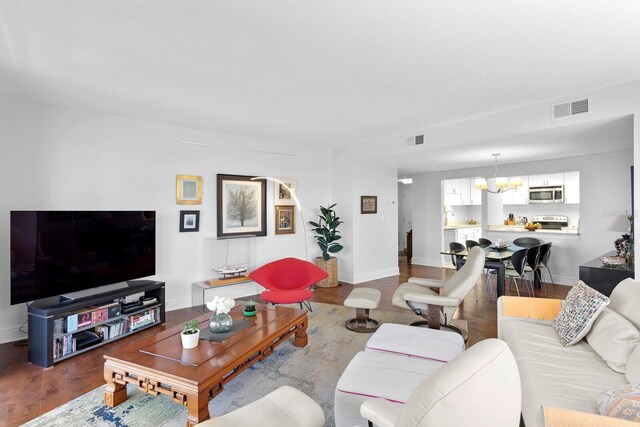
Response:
column 220, row 322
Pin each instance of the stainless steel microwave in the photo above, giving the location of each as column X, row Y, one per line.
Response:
column 551, row 194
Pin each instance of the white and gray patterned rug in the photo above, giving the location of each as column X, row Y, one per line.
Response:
column 314, row 369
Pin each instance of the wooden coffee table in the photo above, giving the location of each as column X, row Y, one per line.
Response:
column 159, row 364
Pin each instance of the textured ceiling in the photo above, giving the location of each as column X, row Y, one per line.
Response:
column 312, row 71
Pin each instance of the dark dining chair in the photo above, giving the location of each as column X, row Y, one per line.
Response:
column 531, row 267
column 526, row 242
column 455, row 246
column 484, row 243
column 471, row 243
column 545, row 253
column 517, row 271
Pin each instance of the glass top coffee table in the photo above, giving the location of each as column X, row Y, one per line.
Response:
column 159, row 364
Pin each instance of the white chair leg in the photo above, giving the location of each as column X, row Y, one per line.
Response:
column 514, row 281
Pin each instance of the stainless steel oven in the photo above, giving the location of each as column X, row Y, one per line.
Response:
column 551, row 194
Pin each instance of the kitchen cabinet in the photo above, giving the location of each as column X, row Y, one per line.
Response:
column 461, row 235
column 517, row 196
column 572, row 187
column 546, row 180
column 456, row 192
column 475, row 194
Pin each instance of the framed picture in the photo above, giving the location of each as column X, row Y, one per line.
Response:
column 188, row 189
column 282, row 193
column 241, row 206
column 189, row 221
column 285, row 219
column 368, row 204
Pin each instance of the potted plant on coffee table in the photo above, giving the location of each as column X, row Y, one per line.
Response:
column 190, row 334
column 327, row 234
column 249, row 308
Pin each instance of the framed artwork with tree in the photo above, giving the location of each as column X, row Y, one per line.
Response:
column 241, row 206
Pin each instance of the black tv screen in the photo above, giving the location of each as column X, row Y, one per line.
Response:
column 58, row 252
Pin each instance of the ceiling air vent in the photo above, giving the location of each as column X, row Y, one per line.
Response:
column 415, row 140
column 571, row 108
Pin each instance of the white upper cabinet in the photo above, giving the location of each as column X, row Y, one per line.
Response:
column 457, row 192
column 517, row 196
column 546, row 180
column 572, row 187
column 475, row 194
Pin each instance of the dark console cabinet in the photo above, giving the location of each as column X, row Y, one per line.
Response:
column 602, row 278
column 59, row 329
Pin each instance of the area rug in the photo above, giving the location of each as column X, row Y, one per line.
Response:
column 314, row 369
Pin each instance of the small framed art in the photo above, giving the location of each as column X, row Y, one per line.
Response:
column 282, row 191
column 285, row 219
column 189, row 221
column 368, row 204
column 188, row 189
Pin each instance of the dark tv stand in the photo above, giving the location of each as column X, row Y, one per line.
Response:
column 44, row 314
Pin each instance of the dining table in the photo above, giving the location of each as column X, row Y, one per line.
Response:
column 495, row 258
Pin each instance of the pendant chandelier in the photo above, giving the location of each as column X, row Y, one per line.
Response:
column 502, row 184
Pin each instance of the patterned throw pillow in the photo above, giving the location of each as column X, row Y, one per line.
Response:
column 579, row 311
column 623, row 402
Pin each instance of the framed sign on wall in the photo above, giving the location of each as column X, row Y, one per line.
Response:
column 368, row 204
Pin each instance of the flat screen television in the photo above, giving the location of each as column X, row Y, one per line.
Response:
column 61, row 252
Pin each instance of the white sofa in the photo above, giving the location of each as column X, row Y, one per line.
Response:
column 566, row 377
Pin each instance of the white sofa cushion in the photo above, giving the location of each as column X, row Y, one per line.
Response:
column 613, row 337
column 580, row 309
column 633, row 366
column 624, row 300
column 553, row 375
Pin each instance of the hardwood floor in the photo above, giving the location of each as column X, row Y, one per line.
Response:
column 27, row 391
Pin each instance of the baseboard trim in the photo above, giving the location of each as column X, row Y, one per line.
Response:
column 374, row 275
column 429, row 262
column 11, row 333
column 560, row 280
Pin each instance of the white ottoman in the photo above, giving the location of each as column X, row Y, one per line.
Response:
column 363, row 300
column 414, row 341
column 376, row 374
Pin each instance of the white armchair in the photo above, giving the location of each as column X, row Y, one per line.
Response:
column 479, row 387
column 284, row 407
column 437, row 308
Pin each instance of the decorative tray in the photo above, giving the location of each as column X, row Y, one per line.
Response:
column 613, row 261
column 501, row 247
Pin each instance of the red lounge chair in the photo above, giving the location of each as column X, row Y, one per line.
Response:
column 288, row 280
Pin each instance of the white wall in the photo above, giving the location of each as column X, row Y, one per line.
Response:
column 53, row 158
column 370, row 240
column 605, row 192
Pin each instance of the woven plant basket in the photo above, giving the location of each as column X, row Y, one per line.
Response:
column 331, row 267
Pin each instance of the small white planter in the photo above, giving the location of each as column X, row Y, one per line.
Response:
column 190, row 340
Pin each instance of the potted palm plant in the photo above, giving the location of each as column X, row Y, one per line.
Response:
column 327, row 234
column 190, row 334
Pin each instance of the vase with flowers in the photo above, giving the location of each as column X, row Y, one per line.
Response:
column 221, row 321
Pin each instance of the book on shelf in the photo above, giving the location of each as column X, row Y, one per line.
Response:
column 72, row 322
column 59, row 326
column 99, row 315
column 84, row 319
column 144, row 318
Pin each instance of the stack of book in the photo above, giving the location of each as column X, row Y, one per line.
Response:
column 142, row 319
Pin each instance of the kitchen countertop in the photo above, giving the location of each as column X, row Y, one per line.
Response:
column 465, row 225
column 521, row 229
